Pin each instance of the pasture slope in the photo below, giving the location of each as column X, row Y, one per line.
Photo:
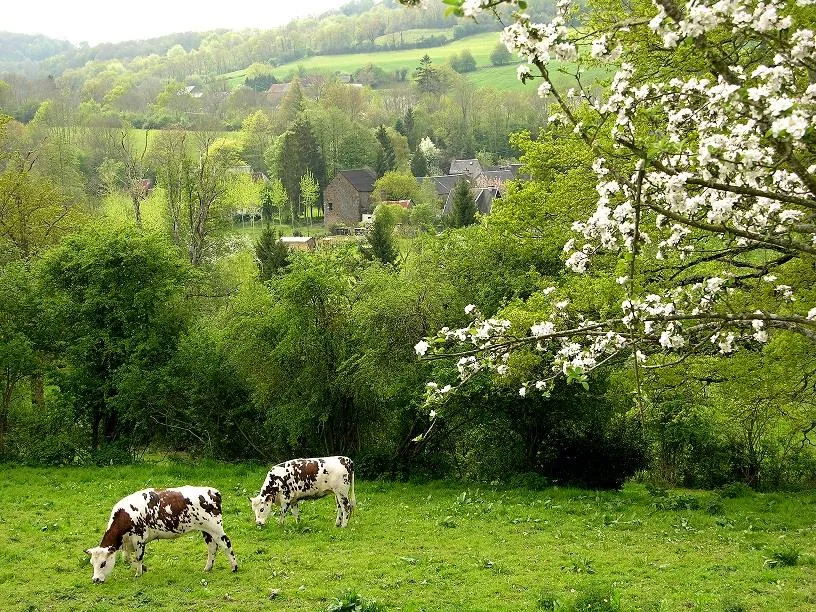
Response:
column 435, row 546
column 480, row 45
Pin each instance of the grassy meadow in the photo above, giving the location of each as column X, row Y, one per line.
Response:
column 480, row 45
column 435, row 546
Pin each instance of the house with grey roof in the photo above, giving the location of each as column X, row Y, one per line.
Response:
column 443, row 184
column 482, row 197
column 471, row 167
column 348, row 197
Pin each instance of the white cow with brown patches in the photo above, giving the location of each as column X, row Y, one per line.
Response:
column 155, row 514
column 289, row 482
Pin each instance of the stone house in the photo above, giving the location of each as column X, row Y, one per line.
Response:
column 348, row 197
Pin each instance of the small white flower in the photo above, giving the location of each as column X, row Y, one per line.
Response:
column 470, row 308
column 421, row 347
column 432, row 414
column 523, row 391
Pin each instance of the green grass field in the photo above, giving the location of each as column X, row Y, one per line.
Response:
column 414, row 35
column 486, row 75
column 437, row 546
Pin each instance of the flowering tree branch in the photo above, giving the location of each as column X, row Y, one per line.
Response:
column 708, row 170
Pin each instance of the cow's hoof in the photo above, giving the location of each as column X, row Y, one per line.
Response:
column 234, row 569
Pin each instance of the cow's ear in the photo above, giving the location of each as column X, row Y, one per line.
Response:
column 87, row 551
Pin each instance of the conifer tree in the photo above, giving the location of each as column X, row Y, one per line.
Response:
column 419, row 165
column 271, row 254
column 386, row 158
column 300, row 152
column 464, row 206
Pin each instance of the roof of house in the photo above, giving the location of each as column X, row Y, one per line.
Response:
column 465, row 166
column 444, row 184
column 279, row 88
column 362, row 179
column 482, row 196
column 501, row 174
column 297, row 239
column 484, row 199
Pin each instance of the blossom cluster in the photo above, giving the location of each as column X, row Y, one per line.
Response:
column 726, row 164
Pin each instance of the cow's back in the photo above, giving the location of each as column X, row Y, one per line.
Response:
column 314, row 477
column 169, row 513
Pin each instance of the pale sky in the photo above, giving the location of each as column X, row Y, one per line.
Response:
column 98, row 21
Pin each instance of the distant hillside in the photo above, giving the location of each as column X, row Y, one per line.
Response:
column 360, row 26
column 29, row 47
column 407, row 60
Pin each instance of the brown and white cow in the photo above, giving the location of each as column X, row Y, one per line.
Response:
column 289, row 482
column 160, row 514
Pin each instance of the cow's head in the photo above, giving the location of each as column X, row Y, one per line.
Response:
column 261, row 506
column 103, row 558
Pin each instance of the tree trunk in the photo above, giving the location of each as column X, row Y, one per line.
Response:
column 38, row 390
column 96, row 418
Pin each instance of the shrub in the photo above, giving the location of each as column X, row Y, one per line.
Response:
column 547, row 602
column 350, row 601
column 677, row 502
column 47, row 437
column 787, row 557
column 735, row 490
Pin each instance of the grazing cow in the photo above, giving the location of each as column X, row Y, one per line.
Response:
column 289, row 482
column 160, row 514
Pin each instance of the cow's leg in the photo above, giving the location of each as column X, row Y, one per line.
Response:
column 139, row 550
column 220, row 538
column 346, row 504
column 339, row 517
column 126, row 550
column 295, row 512
column 212, row 547
column 284, row 507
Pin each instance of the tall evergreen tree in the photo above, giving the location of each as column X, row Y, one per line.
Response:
column 271, row 254
column 408, row 125
column 386, row 157
column 419, row 165
column 300, row 152
column 291, row 106
column 380, row 237
column 428, row 78
column 464, row 206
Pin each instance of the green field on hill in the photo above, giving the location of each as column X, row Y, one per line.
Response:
column 412, row 36
column 481, row 45
column 434, row 546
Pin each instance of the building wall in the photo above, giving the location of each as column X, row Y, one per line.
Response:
column 347, row 204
